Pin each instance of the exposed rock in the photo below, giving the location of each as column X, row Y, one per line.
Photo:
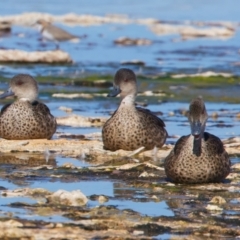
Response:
column 211, row 207
column 70, row 18
column 133, row 62
column 62, row 197
column 145, row 174
column 236, row 166
column 214, row 115
column 218, row 200
column 187, row 31
column 5, row 28
column 20, row 192
column 57, row 56
column 203, row 74
column 65, row 109
column 151, row 93
column 132, row 41
column 79, row 121
column 102, row 199
column 74, row 148
column 78, row 95
column 212, row 32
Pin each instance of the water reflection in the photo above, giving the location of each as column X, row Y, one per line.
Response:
column 26, row 159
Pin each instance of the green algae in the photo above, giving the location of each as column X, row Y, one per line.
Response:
column 181, row 89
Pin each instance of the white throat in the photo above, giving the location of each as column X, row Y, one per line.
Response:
column 39, row 27
column 25, row 100
column 128, row 100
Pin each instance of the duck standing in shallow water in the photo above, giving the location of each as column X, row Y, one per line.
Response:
column 199, row 157
column 26, row 118
column 130, row 127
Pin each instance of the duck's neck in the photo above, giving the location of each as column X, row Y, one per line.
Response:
column 197, row 146
column 128, row 101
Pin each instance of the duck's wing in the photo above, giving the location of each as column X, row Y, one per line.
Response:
column 214, row 144
column 4, row 108
column 61, row 34
column 216, row 149
column 172, row 158
column 42, row 109
column 151, row 115
column 180, row 144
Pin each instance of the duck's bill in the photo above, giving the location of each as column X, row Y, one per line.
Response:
column 196, row 129
column 114, row 92
column 8, row 93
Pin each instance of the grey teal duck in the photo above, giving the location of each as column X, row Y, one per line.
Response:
column 25, row 118
column 199, row 157
column 131, row 127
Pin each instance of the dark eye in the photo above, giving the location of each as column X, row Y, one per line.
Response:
column 19, row 83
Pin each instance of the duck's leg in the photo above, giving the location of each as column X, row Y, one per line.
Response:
column 46, row 155
column 137, row 151
column 57, row 44
column 154, row 153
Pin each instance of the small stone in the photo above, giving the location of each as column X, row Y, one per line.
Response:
column 218, row 200
column 65, row 109
column 144, row 174
column 236, row 166
column 233, row 189
column 170, row 184
column 233, row 176
column 157, row 189
column 59, row 225
column 102, row 199
column 238, row 115
column 62, row 197
column 155, row 198
column 68, row 165
column 132, row 41
column 214, row 115
column 171, row 114
column 211, row 207
column 138, row 232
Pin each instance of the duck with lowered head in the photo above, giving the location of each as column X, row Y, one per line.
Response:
column 199, row 157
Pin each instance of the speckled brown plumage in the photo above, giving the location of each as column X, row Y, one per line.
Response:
column 25, row 118
column 130, row 127
column 199, row 157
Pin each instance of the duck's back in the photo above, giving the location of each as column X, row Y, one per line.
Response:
column 25, row 120
column 129, row 129
column 213, row 164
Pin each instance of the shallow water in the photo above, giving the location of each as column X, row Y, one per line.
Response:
column 98, row 53
column 224, row 126
column 121, row 195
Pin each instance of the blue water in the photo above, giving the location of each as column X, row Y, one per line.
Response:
column 98, row 53
column 176, row 125
column 214, row 10
column 98, row 187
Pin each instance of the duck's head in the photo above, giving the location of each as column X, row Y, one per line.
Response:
column 125, row 83
column 40, row 24
column 23, row 87
column 197, row 117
